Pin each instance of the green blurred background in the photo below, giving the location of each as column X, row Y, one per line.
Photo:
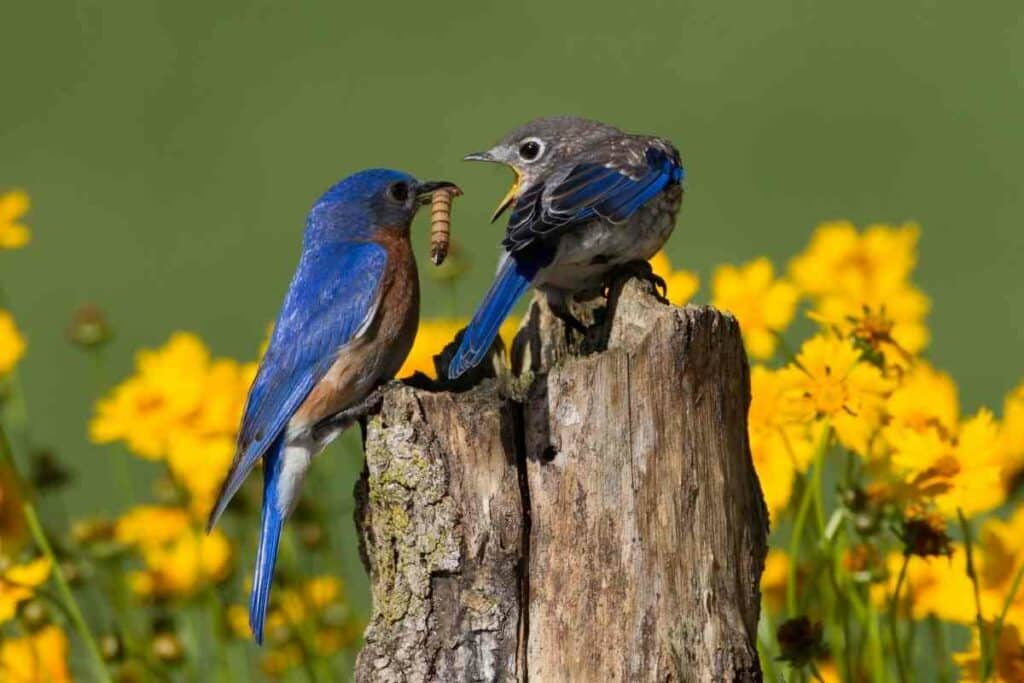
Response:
column 172, row 150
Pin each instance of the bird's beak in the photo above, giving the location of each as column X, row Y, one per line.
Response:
column 425, row 189
column 479, row 156
column 513, row 191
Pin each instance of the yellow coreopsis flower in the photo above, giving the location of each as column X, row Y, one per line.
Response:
column 779, row 447
column 774, row 579
column 13, row 205
column 763, row 304
column 41, row 657
column 1011, row 434
column 431, row 338
column 436, row 333
column 200, row 464
column 177, row 390
column 681, row 284
column 860, row 283
column 179, row 558
column 1008, row 662
column 830, row 380
column 839, row 259
column 158, row 401
column 18, row 583
column 938, row 586
column 12, row 344
column 925, row 398
column 225, row 387
column 961, row 472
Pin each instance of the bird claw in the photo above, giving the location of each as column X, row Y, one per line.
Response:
column 571, row 322
column 344, row 418
column 642, row 270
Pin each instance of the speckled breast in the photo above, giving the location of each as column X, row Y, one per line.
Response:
column 586, row 254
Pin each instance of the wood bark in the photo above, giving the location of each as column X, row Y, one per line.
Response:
column 593, row 515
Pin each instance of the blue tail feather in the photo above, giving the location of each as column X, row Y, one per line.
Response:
column 513, row 278
column 270, row 537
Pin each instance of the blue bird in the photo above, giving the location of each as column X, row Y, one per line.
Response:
column 346, row 326
column 587, row 199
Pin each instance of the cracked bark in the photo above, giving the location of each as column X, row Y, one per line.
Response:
column 595, row 516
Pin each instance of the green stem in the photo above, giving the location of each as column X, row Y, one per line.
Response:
column 878, row 668
column 997, row 630
column 973, row 576
column 807, row 496
column 894, row 603
column 70, row 604
column 940, row 647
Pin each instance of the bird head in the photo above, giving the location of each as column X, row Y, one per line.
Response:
column 372, row 199
column 540, row 146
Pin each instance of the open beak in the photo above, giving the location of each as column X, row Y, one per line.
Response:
column 425, row 189
column 513, row 191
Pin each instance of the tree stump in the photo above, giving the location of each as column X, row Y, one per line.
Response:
column 594, row 516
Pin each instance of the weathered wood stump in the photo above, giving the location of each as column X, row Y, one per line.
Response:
column 596, row 517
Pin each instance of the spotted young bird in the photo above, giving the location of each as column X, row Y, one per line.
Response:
column 587, row 199
column 347, row 324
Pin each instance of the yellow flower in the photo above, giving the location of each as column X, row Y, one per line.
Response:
column 778, row 447
column 41, row 657
column 958, row 473
column 839, row 259
column 178, row 557
column 282, row 658
column 937, row 586
column 774, row 579
column 763, row 304
column 431, row 338
column 12, row 344
column 323, row 590
column 925, row 398
column 176, row 390
column 238, row 621
column 151, row 524
column 1008, row 663
column 13, row 205
column 681, row 284
column 830, row 380
column 17, row 583
column 200, row 464
column 861, row 282
column 1011, row 434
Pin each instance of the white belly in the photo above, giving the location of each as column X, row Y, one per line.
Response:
column 589, row 252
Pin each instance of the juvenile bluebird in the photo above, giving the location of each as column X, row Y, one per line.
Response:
column 347, row 324
column 587, row 199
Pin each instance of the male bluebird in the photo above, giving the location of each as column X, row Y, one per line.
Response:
column 347, row 324
column 587, row 198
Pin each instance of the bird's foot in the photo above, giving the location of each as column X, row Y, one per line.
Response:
column 643, row 271
column 571, row 322
column 344, row 418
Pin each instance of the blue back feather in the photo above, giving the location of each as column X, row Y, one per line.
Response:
column 270, row 538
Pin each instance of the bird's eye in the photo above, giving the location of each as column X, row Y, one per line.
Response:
column 399, row 192
column 530, row 149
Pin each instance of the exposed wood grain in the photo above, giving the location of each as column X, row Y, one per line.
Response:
column 606, row 524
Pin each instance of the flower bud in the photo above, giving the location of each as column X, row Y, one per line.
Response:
column 88, row 328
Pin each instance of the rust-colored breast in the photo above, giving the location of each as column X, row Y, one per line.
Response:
column 377, row 355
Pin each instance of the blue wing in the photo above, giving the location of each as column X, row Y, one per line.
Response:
column 513, row 278
column 611, row 189
column 333, row 295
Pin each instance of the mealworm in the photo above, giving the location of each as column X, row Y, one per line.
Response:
column 441, row 222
